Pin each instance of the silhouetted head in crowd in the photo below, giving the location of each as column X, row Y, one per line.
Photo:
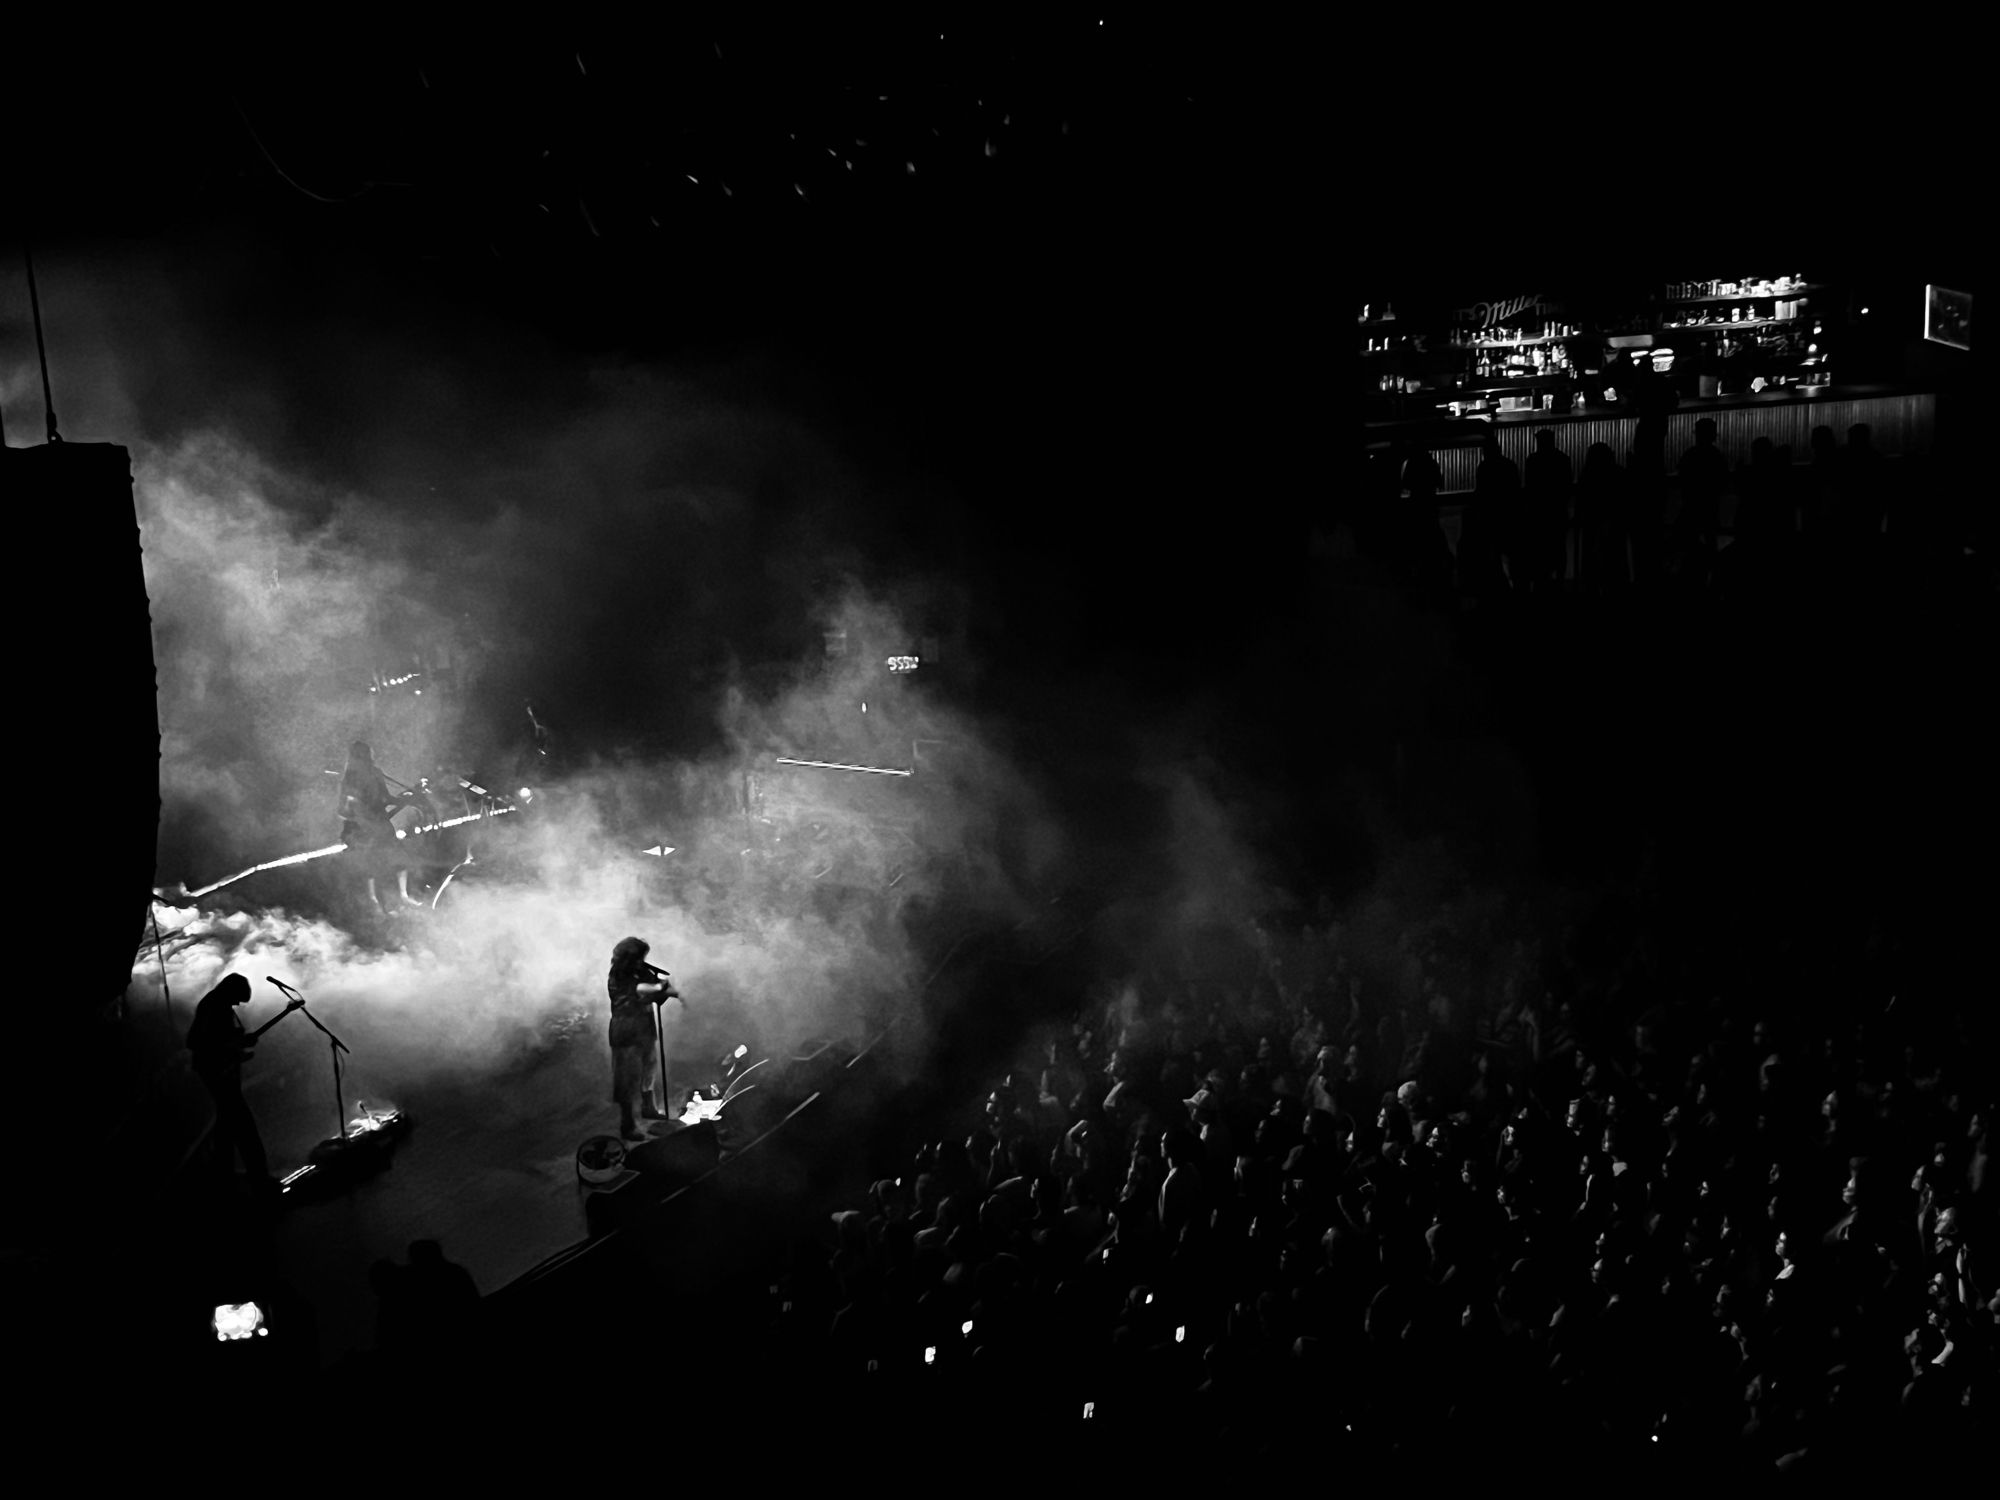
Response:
column 1439, row 1141
column 1274, row 1134
column 1393, row 1121
column 1704, row 433
column 1823, row 444
column 1859, row 438
column 1949, row 1233
column 1545, row 440
column 1599, row 463
column 1205, row 1108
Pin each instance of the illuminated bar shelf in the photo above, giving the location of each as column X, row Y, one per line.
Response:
column 1787, row 293
column 1553, row 338
column 1724, row 327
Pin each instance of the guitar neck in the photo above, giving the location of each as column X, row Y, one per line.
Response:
column 267, row 1026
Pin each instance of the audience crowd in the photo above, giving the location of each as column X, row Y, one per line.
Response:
column 1452, row 1199
column 1446, row 1209
column 1688, row 522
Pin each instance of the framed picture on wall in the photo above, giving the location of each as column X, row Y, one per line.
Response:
column 1948, row 317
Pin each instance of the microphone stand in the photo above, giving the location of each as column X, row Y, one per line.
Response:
column 660, row 1031
column 338, row 1047
column 660, row 1043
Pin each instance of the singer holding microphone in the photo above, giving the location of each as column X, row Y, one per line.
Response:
column 635, row 986
column 220, row 1047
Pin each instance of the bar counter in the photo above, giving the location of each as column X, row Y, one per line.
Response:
column 1901, row 420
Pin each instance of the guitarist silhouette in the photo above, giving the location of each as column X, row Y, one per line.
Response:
column 220, row 1047
column 366, row 807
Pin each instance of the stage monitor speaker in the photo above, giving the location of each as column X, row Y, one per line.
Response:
column 618, row 1202
column 814, row 1069
column 682, row 1154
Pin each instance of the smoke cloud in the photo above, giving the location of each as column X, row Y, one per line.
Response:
column 281, row 610
column 409, row 538
column 689, row 570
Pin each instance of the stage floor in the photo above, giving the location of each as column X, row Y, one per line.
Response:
column 487, row 1169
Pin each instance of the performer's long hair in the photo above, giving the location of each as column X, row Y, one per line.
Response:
column 630, row 953
column 233, row 988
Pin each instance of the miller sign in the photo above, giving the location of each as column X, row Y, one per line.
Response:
column 1487, row 314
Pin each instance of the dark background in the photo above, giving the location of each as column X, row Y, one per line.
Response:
column 1098, row 339
column 1108, row 342
column 1116, row 358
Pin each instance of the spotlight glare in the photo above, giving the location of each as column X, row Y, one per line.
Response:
column 238, row 1320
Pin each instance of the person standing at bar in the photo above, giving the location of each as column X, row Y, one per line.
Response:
column 1378, row 499
column 1704, row 474
column 1602, row 564
column 1421, row 542
column 1489, row 519
column 1820, row 494
column 1646, row 498
column 1762, row 525
column 1545, row 513
column 1862, row 475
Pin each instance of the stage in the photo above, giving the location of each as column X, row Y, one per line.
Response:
column 486, row 1163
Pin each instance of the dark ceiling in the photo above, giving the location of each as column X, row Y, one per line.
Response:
column 566, row 180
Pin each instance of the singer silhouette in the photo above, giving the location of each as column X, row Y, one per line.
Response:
column 633, row 986
column 220, row 1047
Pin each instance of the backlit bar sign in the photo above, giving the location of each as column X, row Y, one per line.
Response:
column 902, row 664
column 1948, row 317
column 1488, row 314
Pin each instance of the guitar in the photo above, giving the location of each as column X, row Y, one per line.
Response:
column 249, row 1042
